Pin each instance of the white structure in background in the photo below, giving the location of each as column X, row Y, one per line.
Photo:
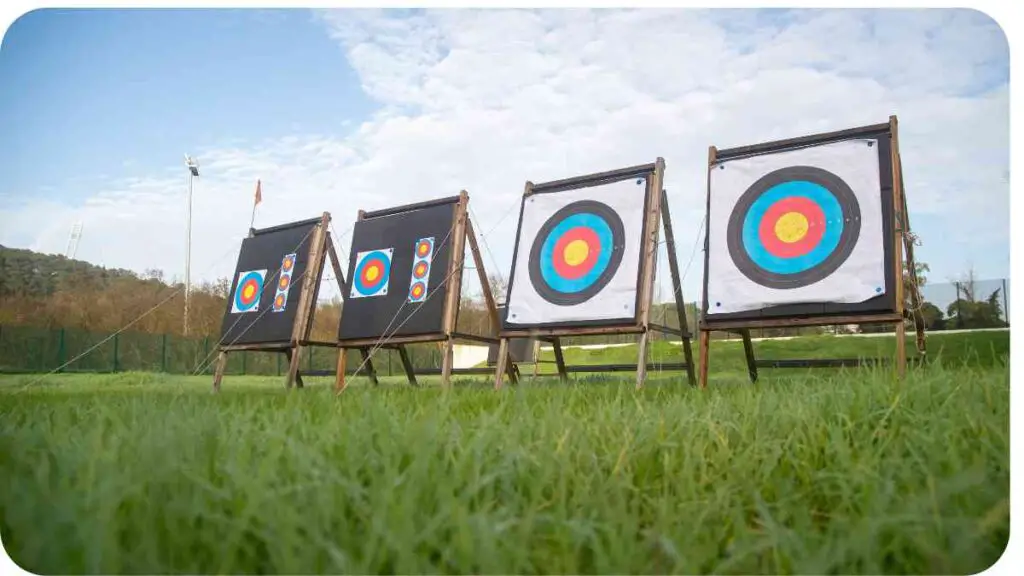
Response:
column 76, row 235
column 468, row 355
column 193, row 172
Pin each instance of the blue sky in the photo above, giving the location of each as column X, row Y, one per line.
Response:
column 122, row 92
column 348, row 109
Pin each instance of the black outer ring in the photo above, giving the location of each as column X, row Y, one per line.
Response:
column 600, row 210
column 847, row 240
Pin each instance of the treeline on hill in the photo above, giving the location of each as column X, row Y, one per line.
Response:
column 51, row 291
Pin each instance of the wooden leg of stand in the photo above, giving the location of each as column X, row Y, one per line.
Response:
column 641, row 363
column 410, row 372
column 499, row 368
column 368, row 363
column 446, row 363
column 705, row 353
column 218, row 375
column 339, row 377
column 901, row 350
column 748, row 351
column 556, row 345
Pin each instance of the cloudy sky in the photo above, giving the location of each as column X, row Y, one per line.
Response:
column 348, row 109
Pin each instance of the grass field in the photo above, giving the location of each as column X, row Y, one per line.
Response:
column 820, row 472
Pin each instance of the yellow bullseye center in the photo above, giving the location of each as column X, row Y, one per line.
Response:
column 576, row 252
column 247, row 292
column 372, row 274
column 791, row 227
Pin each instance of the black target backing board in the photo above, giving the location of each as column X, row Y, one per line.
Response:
column 375, row 316
column 883, row 304
column 642, row 174
column 264, row 250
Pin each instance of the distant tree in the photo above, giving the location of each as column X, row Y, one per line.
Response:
column 970, row 312
column 932, row 316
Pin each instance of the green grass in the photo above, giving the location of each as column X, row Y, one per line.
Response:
column 819, row 472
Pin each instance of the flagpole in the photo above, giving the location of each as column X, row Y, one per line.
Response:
column 256, row 201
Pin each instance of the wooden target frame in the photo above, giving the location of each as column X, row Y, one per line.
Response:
column 656, row 215
column 320, row 248
column 898, row 250
column 461, row 232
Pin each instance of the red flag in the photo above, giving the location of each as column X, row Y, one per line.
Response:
column 259, row 193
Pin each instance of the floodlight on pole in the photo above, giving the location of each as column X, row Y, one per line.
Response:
column 193, row 172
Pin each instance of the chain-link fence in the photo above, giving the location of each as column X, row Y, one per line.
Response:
column 970, row 305
column 25, row 349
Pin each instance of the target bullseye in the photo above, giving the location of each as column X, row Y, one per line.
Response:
column 576, row 252
column 793, row 227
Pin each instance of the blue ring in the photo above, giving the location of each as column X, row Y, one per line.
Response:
column 829, row 241
column 374, row 288
column 238, row 291
column 547, row 266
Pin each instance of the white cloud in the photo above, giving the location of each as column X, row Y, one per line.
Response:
column 485, row 100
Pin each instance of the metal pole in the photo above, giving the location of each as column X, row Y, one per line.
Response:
column 188, row 249
column 1006, row 304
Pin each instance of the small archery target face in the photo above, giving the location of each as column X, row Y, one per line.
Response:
column 419, row 271
column 248, row 291
column 424, row 247
column 417, row 292
column 802, row 226
column 578, row 255
column 372, row 273
column 423, row 255
column 284, row 283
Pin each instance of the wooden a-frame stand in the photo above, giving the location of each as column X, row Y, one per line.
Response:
column 320, row 246
column 657, row 214
column 902, row 251
column 462, row 230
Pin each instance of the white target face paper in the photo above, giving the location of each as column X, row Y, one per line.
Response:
column 573, row 237
column 860, row 277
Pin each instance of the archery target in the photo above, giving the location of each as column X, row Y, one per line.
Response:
column 578, row 255
column 803, row 226
column 423, row 255
column 372, row 273
column 248, row 290
column 284, row 283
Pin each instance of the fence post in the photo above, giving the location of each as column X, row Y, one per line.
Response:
column 115, row 351
column 61, row 352
column 163, row 353
column 1006, row 304
column 959, row 311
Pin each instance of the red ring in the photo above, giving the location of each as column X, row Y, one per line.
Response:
column 816, row 230
column 569, row 271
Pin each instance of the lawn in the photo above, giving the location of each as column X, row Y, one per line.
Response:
column 837, row 471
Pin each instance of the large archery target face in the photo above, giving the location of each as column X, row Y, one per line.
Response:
column 578, row 255
column 803, row 226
